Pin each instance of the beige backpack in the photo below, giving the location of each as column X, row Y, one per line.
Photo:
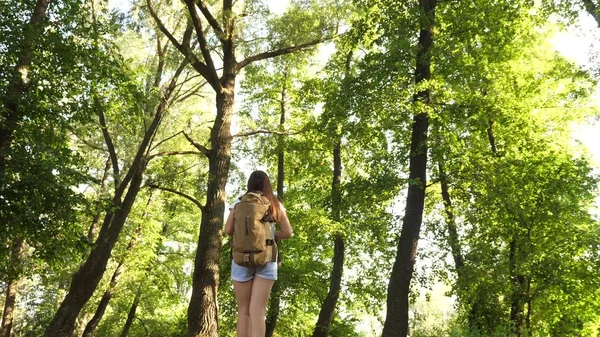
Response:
column 253, row 241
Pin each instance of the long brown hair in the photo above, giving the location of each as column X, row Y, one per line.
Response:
column 259, row 181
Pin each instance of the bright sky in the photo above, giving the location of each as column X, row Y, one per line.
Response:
column 579, row 44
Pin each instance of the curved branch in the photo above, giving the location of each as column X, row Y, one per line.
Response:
column 164, row 140
column 211, row 73
column 172, row 153
column 197, row 145
column 109, row 143
column 281, row 133
column 202, row 68
column 211, row 20
column 279, row 52
column 179, row 193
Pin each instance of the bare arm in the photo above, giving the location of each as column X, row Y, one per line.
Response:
column 229, row 223
column 284, row 225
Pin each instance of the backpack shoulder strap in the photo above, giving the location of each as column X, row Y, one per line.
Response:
column 259, row 196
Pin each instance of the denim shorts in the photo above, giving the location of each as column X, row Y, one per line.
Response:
column 245, row 274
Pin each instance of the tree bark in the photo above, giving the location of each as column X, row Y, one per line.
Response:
column 396, row 321
column 9, row 307
column 328, row 307
column 202, row 310
column 131, row 314
column 88, row 276
column 12, row 285
column 16, row 86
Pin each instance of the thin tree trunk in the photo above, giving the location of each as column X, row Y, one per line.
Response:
column 16, row 87
column 453, row 238
column 12, row 285
column 274, row 308
column 517, row 304
column 108, row 294
column 396, row 321
column 131, row 314
column 275, row 298
column 88, row 276
column 335, row 285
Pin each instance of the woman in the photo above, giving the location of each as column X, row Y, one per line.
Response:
column 252, row 286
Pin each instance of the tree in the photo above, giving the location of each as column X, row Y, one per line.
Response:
column 127, row 188
column 396, row 322
column 40, row 83
column 229, row 32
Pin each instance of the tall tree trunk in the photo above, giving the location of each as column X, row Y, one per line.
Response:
column 16, row 87
column 202, row 310
column 9, row 307
column 275, row 298
column 88, row 276
column 12, row 285
column 335, row 284
column 396, row 321
column 131, row 314
column 108, row 294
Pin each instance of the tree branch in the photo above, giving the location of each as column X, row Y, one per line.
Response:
column 212, row 78
column 281, row 133
column 179, row 193
column 204, row 70
column 164, row 140
column 172, row 153
column 86, row 142
column 109, row 143
column 166, row 100
column 211, row 20
column 197, row 145
column 279, row 52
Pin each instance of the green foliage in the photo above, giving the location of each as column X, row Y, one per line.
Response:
column 39, row 179
column 522, row 210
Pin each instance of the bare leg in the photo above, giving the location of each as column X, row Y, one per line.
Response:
column 261, row 289
column 243, row 291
